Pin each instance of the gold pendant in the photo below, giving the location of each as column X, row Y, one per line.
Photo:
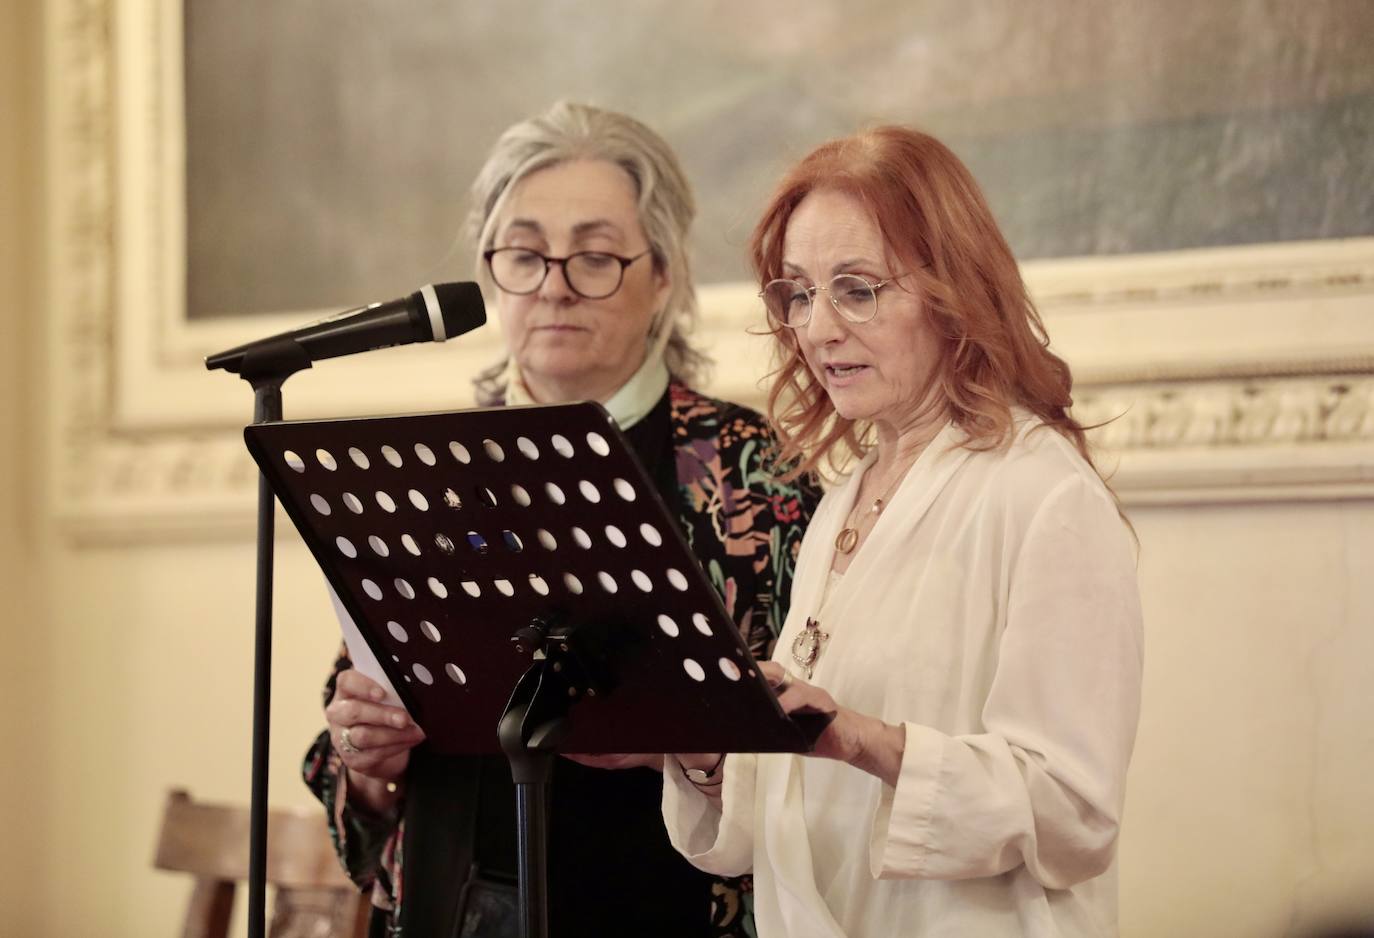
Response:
column 806, row 647
column 846, row 540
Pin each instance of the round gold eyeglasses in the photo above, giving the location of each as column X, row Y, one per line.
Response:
column 789, row 302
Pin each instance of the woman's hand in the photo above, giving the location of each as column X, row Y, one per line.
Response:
column 863, row 741
column 372, row 738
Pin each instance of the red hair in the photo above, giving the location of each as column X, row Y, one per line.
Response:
column 940, row 233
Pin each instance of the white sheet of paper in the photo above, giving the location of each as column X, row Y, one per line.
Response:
column 364, row 661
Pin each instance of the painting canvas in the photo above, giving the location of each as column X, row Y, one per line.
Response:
column 330, row 144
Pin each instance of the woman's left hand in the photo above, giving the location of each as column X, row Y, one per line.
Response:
column 863, row 741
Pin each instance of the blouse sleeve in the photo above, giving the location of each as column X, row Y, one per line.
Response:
column 1044, row 783
column 362, row 839
column 715, row 837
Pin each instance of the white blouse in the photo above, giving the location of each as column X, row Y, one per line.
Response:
column 993, row 612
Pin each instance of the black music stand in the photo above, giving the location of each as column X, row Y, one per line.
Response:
column 525, row 590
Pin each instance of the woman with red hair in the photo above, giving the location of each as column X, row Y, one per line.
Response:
column 965, row 603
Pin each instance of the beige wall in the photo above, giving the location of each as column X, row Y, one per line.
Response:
column 155, row 652
column 1248, row 812
column 25, row 770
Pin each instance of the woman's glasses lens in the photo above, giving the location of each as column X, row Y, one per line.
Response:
column 593, row 274
column 517, row 271
column 854, row 297
column 789, row 302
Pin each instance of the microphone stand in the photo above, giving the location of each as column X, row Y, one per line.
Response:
column 449, row 308
column 266, row 367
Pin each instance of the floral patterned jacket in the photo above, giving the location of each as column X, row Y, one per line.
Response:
column 745, row 527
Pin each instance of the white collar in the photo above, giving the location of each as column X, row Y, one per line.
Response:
column 627, row 406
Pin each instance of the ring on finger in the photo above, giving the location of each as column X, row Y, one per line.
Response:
column 346, row 741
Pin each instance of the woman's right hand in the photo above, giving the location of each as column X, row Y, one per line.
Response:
column 372, row 738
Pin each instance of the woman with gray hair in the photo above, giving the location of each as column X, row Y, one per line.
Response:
column 580, row 217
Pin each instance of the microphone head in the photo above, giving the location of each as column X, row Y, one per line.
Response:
column 460, row 307
column 431, row 314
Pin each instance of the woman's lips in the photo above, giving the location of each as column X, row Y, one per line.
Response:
column 843, row 373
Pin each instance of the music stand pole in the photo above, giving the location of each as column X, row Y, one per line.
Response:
column 531, row 769
column 266, row 369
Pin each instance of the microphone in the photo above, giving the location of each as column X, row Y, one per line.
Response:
column 433, row 313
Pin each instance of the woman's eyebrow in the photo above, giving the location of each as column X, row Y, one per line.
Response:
column 524, row 224
column 841, row 267
column 596, row 226
column 852, row 263
column 581, row 230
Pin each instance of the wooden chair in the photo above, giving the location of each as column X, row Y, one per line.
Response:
column 313, row 897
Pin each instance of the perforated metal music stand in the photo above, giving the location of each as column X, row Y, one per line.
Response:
column 525, row 590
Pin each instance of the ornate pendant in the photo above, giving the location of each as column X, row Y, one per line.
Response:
column 846, row 540
column 806, row 647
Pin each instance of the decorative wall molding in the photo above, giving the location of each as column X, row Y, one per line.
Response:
column 1233, row 373
column 1331, row 410
column 1290, row 439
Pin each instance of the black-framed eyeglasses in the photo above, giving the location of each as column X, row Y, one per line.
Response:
column 789, row 301
column 592, row 275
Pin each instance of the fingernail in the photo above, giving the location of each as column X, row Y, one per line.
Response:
column 376, row 693
column 398, row 720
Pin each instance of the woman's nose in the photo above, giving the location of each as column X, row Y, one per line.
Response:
column 555, row 287
column 825, row 324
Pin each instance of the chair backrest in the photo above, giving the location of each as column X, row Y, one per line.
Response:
column 210, row 841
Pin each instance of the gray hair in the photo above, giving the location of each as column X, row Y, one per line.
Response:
column 567, row 132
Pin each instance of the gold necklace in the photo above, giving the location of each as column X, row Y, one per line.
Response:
column 848, row 538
